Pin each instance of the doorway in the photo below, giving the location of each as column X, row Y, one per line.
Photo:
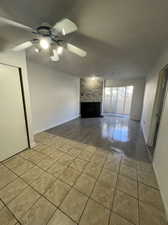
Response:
column 158, row 107
column 117, row 100
column 13, row 129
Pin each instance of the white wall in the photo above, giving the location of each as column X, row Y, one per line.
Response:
column 149, row 96
column 18, row 59
column 137, row 98
column 54, row 96
column 160, row 160
column 161, row 156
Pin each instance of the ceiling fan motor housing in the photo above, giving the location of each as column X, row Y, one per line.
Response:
column 44, row 30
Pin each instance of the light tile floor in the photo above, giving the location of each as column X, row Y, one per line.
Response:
column 64, row 182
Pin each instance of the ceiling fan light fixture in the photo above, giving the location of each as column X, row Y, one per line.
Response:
column 54, row 58
column 93, row 78
column 37, row 50
column 44, row 43
column 63, row 31
column 59, row 50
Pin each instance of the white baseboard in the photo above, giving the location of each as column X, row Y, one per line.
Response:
column 143, row 132
column 56, row 124
column 33, row 144
column 162, row 194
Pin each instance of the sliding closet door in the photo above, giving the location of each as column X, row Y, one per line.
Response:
column 13, row 134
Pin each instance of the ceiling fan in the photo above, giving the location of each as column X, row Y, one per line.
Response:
column 47, row 37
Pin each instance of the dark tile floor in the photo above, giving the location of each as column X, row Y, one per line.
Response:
column 108, row 133
column 73, row 177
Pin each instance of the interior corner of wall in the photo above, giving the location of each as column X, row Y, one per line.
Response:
column 143, row 132
column 33, row 144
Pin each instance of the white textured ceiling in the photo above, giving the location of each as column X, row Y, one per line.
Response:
column 123, row 39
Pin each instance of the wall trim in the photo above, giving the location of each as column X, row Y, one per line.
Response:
column 57, row 124
column 33, row 144
column 162, row 194
column 143, row 131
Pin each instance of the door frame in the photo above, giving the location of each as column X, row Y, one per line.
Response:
column 23, row 100
column 24, row 106
column 161, row 92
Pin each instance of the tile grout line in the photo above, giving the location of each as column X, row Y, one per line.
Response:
column 91, row 192
column 138, row 196
column 5, row 206
column 73, row 186
column 115, row 191
column 73, row 183
column 51, row 216
column 127, row 194
column 138, row 204
column 41, row 195
column 17, row 194
column 89, row 197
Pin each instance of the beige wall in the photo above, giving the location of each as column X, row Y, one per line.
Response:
column 137, row 98
column 54, row 96
column 160, row 161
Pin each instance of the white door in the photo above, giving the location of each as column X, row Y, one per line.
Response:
column 13, row 134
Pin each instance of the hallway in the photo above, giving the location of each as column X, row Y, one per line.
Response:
column 86, row 172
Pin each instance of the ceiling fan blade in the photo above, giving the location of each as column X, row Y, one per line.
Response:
column 65, row 26
column 55, row 56
column 22, row 46
column 76, row 50
column 15, row 24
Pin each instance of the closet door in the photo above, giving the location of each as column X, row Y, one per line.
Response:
column 13, row 133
